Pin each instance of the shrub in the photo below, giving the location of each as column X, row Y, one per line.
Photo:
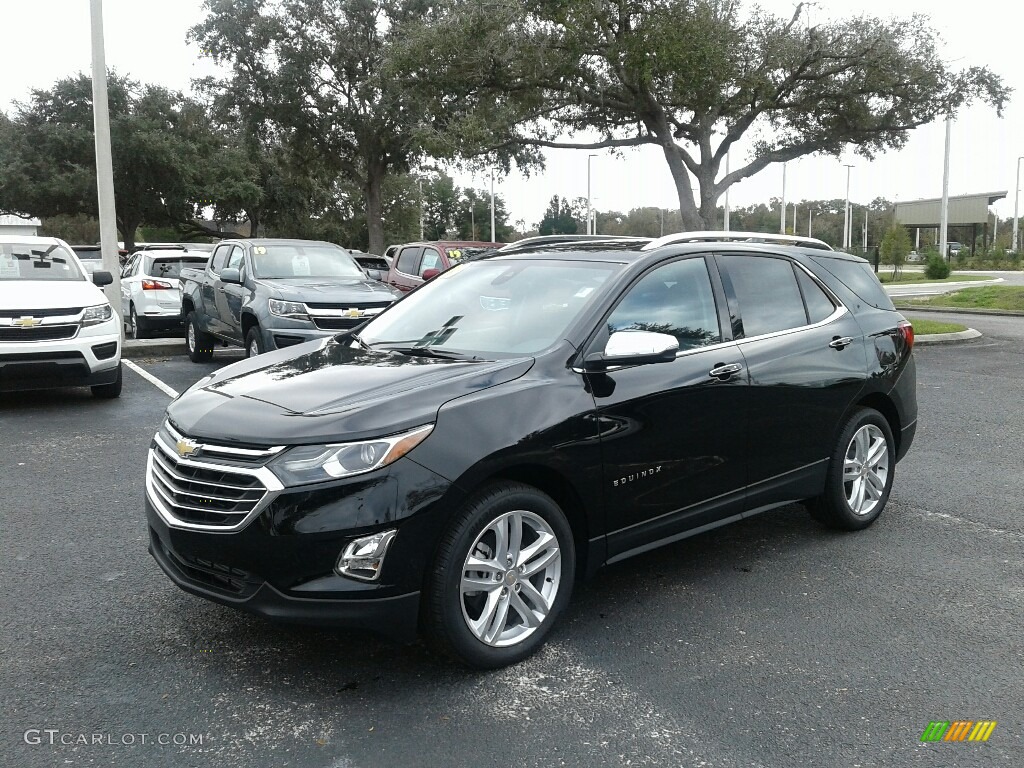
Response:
column 937, row 268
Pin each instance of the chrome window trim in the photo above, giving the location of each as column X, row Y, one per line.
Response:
column 222, row 449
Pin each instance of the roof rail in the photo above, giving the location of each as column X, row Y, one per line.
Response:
column 737, row 237
column 539, row 241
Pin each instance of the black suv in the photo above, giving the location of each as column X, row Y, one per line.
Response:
column 455, row 464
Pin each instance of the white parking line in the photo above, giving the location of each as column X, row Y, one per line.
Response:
column 151, row 378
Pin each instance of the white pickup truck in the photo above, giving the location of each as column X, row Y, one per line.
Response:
column 57, row 329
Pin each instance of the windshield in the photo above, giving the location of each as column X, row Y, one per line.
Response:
column 91, row 254
column 491, row 307
column 170, row 267
column 281, row 261
column 20, row 261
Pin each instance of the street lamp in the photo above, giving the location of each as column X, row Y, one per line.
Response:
column 944, row 216
column 492, row 207
column 589, row 206
column 782, row 208
column 726, row 222
column 847, row 222
column 1016, row 204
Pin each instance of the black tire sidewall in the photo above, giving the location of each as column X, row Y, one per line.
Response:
column 196, row 354
column 445, row 596
column 832, row 507
column 253, row 335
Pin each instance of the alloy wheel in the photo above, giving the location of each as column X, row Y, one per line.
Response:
column 866, row 469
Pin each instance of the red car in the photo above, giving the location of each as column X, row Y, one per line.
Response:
column 415, row 263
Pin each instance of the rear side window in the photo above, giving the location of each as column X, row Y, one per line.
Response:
column 859, row 278
column 408, row 259
column 819, row 305
column 767, row 293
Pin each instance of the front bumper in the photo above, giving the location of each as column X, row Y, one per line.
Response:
column 282, row 336
column 90, row 358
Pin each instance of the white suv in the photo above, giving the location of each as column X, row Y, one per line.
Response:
column 57, row 329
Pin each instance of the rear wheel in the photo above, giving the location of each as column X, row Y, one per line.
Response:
column 860, row 474
column 198, row 343
column 109, row 391
column 503, row 576
column 254, row 342
column 137, row 328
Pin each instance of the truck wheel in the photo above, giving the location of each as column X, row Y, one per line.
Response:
column 254, row 342
column 109, row 391
column 198, row 343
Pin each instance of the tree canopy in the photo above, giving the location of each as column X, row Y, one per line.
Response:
column 691, row 77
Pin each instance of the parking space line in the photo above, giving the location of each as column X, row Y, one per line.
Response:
column 151, row 378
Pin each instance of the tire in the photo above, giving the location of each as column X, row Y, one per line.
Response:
column 856, row 490
column 109, row 391
column 254, row 342
column 198, row 343
column 504, row 621
column 136, row 326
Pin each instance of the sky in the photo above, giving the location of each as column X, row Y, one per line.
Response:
column 146, row 40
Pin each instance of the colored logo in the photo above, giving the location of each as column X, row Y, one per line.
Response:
column 187, row 448
column 958, row 730
column 26, row 322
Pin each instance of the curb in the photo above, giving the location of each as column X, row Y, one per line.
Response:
column 141, row 349
column 941, row 338
column 910, row 306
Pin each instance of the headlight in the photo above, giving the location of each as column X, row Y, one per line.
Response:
column 293, row 309
column 315, row 463
column 96, row 315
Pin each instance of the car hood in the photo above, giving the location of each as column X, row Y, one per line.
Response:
column 326, row 391
column 49, row 294
column 329, row 290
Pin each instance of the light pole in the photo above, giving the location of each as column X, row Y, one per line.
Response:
column 794, row 218
column 782, row 208
column 726, row 222
column 846, row 211
column 944, row 224
column 104, row 161
column 810, row 221
column 589, row 207
column 419, row 182
column 472, row 221
column 492, row 206
column 1016, row 203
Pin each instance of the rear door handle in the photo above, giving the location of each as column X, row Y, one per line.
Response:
column 840, row 342
column 724, row 372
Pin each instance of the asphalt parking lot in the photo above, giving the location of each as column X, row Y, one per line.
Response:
column 769, row 643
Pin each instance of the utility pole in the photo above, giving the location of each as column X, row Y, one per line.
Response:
column 726, row 222
column 794, row 218
column 472, row 221
column 1016, row 202
column 810, row 221
column 589, row 206
column 944, row 225
column 104, row 160
column 846, row 211
column 420, row 184
column 662, row 212
column 492, row 207
column 782, row 208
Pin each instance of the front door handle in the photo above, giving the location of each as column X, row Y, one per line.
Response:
column 724, row 372
column 840, row 342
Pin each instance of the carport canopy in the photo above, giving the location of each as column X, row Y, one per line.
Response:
column 962, row 210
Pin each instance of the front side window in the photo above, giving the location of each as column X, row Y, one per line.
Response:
column 23, row 261
column 220, row 257
column 676, row 299
column 491, row 308
column 767, row 293
column 235, row 259
column 292, row 260
column 431, row 260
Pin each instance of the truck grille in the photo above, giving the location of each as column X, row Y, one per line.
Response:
column 39, row 333
column 207, row 494
column 65, row 312
column 337, row 323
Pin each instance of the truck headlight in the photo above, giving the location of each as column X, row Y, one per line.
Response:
column 97, row 314
column 316, row 463
column 293, row 309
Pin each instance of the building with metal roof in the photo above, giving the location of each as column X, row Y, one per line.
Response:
column 962, row 210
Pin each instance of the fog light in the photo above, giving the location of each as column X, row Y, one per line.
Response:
column 363, row 557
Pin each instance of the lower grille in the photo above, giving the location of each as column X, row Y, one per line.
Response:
column 337, row 323
column 222, row 578
column 39, row 333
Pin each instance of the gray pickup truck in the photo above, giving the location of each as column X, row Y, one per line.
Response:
column 267, row 294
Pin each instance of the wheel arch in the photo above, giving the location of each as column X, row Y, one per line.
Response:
column 249, row 321
column 885, row 406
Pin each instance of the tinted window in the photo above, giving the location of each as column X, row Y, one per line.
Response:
column 431, row 260
column 408, row 259
column 859, row 278
column 676, row 299
column 819, row 305
column 219, row 257
column 170, row 267
column 767, row 293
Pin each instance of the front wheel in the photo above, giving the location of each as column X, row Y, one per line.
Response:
column 860, row 474
column 503, row 575
column 253, row 342
column 198, row 343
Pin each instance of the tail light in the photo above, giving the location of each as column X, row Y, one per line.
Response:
column 907, row 332
column 156, row 285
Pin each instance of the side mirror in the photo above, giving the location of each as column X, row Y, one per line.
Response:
column 634, row 348
column 102, row 278
column 430, row 274
column 230, row 275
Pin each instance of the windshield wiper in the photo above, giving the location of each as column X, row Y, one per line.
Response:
column 425, row 351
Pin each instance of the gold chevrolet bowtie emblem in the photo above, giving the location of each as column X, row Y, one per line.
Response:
column 27, row 321
column 187, row 448
column 354, row 312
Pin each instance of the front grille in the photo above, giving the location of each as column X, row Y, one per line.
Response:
column 67, row 311
column 39, row 333
column 203, row 496
column 350, row 305
column 337, row 323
